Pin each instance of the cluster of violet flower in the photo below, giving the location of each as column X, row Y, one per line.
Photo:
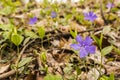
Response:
column 110, row 5
column 88, row 16
column 91, row 16
column 33, row 20
column 84, row 46
column 53, row 14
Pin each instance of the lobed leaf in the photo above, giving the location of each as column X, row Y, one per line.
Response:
column 106, row 50
column 24, row 61
column 16, row 39
column 41, row 32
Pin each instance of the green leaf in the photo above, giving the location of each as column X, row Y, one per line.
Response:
column 96, row 39
column 26, row 40
column 74, row 34
column 68, row 17
column 41, row 32
column 111, row 77
column 52, row 77
column 7, row 27
column 30, row 34
column 24, row 61
column 3, row 40
column 68, row 69
column 6, row 11
column 16, row 39
column 106, row 50
column 104, row 78
column 7, row 2
column 43, row 56
column 6, row 35
column 116, row 50
column 100, row 41
column 106, row 29
column 78, row 70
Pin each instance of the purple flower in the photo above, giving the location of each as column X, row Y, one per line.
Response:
column 33, row 20
column 90, row 16
column 84, row 47
column 110, row 5
column 53, row 14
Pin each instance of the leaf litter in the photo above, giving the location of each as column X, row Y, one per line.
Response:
column 50, row 56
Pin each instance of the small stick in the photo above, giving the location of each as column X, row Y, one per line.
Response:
column 7, row 74
column 22, row 51
column 101, row 11
column 11, row 72
column 68, row 34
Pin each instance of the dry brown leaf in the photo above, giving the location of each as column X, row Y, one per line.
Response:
column 99, row 21
column 97, row 57
column 55, row 42
column 39, row 77
column 76, row 26
column 113, row 67
column 116, row 2
column 31, row 76
column 36, row 12
column 4, row 68
column 93, row 74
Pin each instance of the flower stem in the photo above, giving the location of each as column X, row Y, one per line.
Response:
column 17, row 65
column 85, row 65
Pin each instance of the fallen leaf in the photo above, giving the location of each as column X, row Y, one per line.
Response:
column 4, row 68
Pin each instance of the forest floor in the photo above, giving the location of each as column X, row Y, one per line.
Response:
column 42, row 41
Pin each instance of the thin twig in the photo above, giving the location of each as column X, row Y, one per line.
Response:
column 102, row 14
column 22, row 51
column 11, row 72
column 68, row 34
column 7, row 74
